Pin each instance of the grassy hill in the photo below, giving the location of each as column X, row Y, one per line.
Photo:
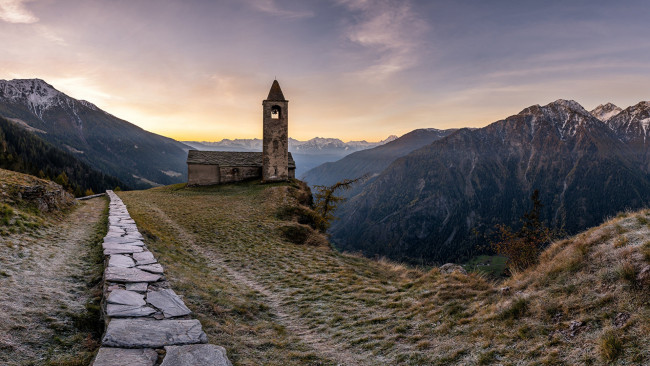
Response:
column 272, row 302
column 26, row 202
column 51, row 266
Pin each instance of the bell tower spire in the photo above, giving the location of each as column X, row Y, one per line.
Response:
column 275, row 143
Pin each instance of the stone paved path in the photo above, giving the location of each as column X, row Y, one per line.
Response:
column 42, row 283
column 143, row 314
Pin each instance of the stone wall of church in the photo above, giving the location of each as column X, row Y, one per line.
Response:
column 202, row 175
column 237, row 174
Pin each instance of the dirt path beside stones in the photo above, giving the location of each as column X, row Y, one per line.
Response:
column 320, row 343
column 44, row 288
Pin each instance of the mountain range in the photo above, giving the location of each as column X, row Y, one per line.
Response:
column 307, row 154
column 437, row 203
column 113, row 146
column 430, row 195
column 372, row 161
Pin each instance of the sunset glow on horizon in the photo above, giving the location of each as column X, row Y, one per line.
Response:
column 351, row 69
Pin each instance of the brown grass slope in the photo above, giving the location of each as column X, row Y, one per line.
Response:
column 50, row 273
column 272, row 302
column 26, row 202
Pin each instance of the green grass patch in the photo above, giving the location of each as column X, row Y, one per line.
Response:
column 492, row 265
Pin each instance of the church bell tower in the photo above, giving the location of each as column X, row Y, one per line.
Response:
column 275, row 143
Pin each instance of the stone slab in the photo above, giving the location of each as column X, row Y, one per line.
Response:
column 168, row 302
column 117, row 222
column 123, row 241
column 121, row 249
column 123, row 311
column 153, row 268
column 125, row 357
column 130, row 228
column 145, row 333
column 120, row 260
column 124, row 213
column 125, row 297
column 137, row 287
column 196, row 355
column 144, row 257
column 117, row 274
column 116, row 219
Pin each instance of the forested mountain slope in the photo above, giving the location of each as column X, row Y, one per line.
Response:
column 25, row 152
column 436, row 203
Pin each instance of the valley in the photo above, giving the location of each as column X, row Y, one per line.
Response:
column 435, row 183
column 442, row 201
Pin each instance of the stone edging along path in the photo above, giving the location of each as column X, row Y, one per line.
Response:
column 142, row 313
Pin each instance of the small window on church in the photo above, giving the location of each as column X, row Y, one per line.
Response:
column 275, row 112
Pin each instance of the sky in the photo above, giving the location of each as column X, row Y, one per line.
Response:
column 351, row 69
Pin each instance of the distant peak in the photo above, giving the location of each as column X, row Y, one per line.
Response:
column 28, row 83
column 605, row 111
column 276, row 93
column 570, row 104
column 35, row 93
column 644, row 104
column 608, row 106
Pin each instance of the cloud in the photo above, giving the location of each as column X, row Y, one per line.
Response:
column 270, row 7
column 14, row 11
column 391, row 29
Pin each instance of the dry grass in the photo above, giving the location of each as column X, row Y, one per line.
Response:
column 50, row 276
column 20, row 210
column 272, row 302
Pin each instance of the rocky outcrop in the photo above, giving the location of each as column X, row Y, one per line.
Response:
column 46, row 198
column 19, row 189
column 146, row 321
column 451, row 268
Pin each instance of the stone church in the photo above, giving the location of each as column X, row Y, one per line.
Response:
column 273, row 164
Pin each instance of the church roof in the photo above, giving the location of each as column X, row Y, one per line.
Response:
column 275, row 93
column 229, row 158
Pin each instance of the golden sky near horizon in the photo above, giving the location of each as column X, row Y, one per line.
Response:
column 351, row 69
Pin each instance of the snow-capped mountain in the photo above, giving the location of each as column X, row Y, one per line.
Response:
column 111, row 145
column 307, row 154
column 317, row 145
column 568, row 117
column 605, row 111
column 431, row 203
column 632, row 122
column 40, row 97
column 228, row 145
